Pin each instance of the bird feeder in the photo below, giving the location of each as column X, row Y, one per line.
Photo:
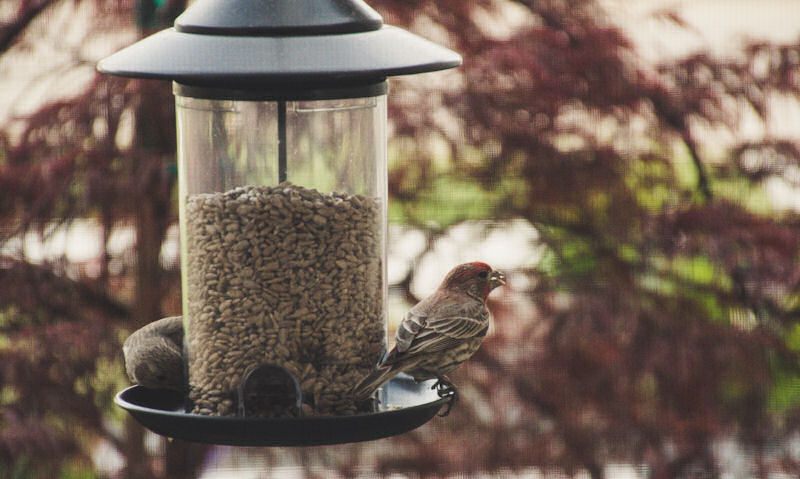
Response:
column 281, row 134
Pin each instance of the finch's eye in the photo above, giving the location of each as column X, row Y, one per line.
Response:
column 483, row 274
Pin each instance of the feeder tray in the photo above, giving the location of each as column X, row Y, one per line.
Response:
column 404, row 405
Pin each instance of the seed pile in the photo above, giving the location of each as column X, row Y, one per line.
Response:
column 284, row 275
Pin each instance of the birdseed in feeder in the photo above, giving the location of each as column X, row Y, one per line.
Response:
column 282, row 275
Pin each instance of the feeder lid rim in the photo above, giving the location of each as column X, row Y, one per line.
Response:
column 263, row 61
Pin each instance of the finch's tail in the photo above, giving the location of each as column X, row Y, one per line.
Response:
column 373, row 381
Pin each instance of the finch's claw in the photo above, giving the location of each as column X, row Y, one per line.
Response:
column 445, row 389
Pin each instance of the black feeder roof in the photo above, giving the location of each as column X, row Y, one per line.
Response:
column 246, row 44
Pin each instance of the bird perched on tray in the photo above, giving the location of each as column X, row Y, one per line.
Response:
column 154, row 355
column 440, row 332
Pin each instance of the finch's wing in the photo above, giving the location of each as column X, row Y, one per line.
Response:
column 408, row 329
column 443, row 330
column 446, row 333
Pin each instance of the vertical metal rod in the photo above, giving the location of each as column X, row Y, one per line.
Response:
column 281, row 141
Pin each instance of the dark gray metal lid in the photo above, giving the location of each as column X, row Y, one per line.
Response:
column 265, row 43
column 278, row 17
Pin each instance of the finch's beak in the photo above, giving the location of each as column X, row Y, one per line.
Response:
column 496, row 278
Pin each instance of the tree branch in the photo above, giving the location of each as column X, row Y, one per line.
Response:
column 9, row 32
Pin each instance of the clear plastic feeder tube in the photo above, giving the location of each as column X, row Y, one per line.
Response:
column 283, row 231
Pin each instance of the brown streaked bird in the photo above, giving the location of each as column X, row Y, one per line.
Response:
column 441, row 332
column 154, row 355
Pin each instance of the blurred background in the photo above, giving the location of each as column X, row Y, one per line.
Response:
column 632, row 166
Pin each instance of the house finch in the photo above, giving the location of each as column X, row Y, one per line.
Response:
column 440, row 332
column 154, row 355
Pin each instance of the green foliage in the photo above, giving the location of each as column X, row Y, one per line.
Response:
column 567, row 257
column 784, row 396
column 20, row 468
column 78, row 470
column 449, row 199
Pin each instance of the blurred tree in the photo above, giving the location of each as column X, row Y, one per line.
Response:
column 665, row 309
column 106, row 154
column 666, row 304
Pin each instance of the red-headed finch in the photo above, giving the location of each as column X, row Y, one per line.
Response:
column 440, row 332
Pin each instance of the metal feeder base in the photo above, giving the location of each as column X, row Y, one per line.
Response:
column 404, row 405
